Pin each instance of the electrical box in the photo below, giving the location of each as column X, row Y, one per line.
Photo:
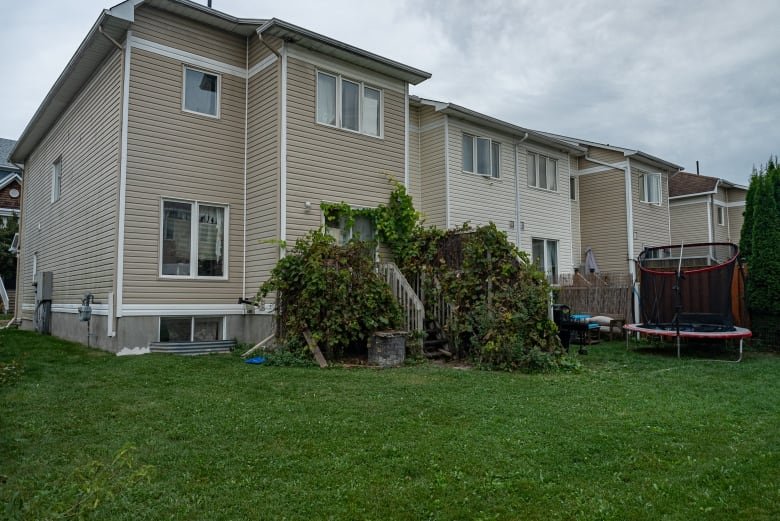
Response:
column 43, row 286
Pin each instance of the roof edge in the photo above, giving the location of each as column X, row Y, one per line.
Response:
column 511, row 128
column 287, row 31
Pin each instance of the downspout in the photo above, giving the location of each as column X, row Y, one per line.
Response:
column 571, row 230
column 630, row 234
column 447, row 171
column 282, row 141
column 246, row 148
column 406, row 137
column 517, row 190
column 115, row 304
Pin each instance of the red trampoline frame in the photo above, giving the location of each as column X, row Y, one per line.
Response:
column 739, row 333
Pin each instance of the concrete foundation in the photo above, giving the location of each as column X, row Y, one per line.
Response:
column 133, row 332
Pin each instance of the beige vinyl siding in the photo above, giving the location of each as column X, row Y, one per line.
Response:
column 330, row 164
column 736, row 220
column 689, row 221
column 262, row 177
column 174, row 154
column 605, row 156
column 546, row 214
column 432, row 161
column 737, row 194
column 603, row 218
column 651, row 221
column 415, row 183
column 75, row 237
column 576, row 239
column 258, row 51
column 187, row 35
column 477, row 199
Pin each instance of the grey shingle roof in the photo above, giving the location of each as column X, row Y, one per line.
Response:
column 5, row 149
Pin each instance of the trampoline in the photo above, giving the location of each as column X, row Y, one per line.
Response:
column 686, row 293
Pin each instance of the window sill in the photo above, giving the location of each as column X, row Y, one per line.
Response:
column 202, row 114
column 380, row 137
column 189, row 277
column 545, row 190
column 483, row 176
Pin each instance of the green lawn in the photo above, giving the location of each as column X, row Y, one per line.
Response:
column 635, row 435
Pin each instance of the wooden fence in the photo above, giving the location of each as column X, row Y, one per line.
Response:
column 597, row 294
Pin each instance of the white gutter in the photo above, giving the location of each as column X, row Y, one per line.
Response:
column 447, row 170
column 517, row 190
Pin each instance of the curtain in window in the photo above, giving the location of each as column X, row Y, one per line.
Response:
column 326, row 99
column 211, row 228
column 531, row 168
column 552, row 261
column 483, row 156
column 371, row 106
column 200, row 92
column 654, row 189
column 468, row 153
column 552, row 174
column 495, row 163
column 542, row 172
column 350, row 104
column 177, row 229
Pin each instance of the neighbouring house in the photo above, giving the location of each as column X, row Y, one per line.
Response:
column 621, row 204
column 478, row 169
column 10, row 183
column 179, row 151
column 705, row 209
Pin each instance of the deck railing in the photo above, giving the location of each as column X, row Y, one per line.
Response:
column 411, row 305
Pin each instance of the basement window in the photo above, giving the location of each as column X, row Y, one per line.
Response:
column 191, row 329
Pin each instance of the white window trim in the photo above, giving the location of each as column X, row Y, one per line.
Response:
column 56, row 180
column 194, row 240
column 546, row 267
column 720, row 215
column 536, row 176
column 474, row 138
column 362, row 85
column 192, row 325
column 645, row 179
column 184, row 91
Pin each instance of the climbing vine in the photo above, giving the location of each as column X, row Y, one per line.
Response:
column 497, row 299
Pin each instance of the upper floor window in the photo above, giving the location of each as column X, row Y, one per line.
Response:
column 650, row 188
column 481, row 156
column 193, row 239
column 542, row 172
column 348, row 104
column 721, row 216
column 56, row 180
column 201, row 92
column 573, row 188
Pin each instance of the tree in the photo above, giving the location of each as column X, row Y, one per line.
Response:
column 762, row 231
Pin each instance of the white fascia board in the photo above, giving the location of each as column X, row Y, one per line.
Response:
column 125, row 10
column 697, row 194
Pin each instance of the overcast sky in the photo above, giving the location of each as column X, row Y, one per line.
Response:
column 683, row 80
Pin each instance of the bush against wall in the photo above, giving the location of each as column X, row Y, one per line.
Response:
column 331, row 291
column 498, row 297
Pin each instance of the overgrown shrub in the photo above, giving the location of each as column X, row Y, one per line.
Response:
column 332, row 291
column 499, row 299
